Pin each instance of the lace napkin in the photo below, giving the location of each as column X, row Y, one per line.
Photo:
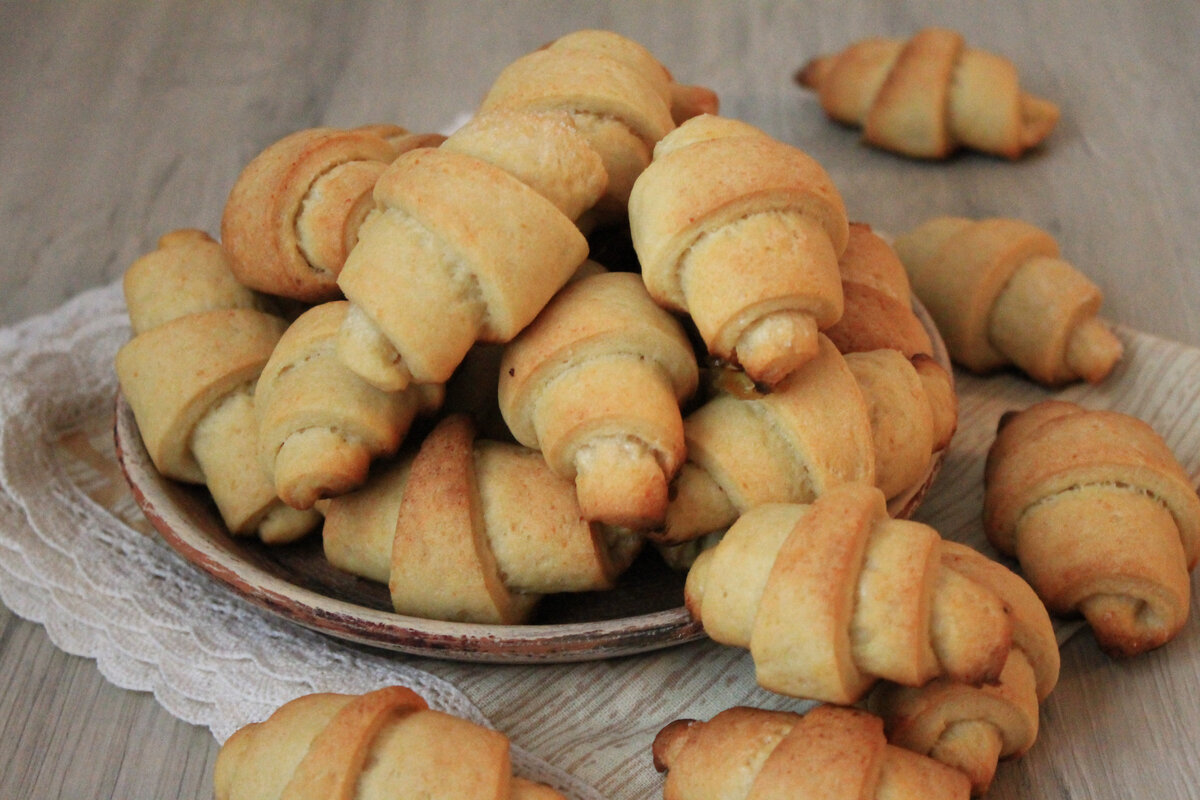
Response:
column 76, row 557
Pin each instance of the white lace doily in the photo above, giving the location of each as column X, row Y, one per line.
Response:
column 107, row 592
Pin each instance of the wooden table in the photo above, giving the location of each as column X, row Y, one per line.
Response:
column 121, row 121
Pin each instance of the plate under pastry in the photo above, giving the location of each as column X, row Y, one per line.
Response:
column 644, row 612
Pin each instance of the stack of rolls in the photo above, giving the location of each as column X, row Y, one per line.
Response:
column 755, row 396
column 410, row 264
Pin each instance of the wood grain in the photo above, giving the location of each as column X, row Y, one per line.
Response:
column 125, row 120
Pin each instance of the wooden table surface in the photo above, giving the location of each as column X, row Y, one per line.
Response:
column 121, row 121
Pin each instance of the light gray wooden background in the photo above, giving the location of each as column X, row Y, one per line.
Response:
column 120, row 121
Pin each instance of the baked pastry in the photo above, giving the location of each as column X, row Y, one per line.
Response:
column 566, row 384
column 385, row 743
column 457, row 251
column 877, row 309
column 685, row 101
column 914, row 412
column 1001, row 294
column 929, row 95
column 472, row 389
column 620, row 97
column 200, row 340
column 543, row 149
column 874, row 418
column 832, row 596
column 294, row 212
column 743, row 233
column 320, row 425
column 789, row 445
column 971, row 728
column 830, row 752
column 472, row 530
column 1101, row 517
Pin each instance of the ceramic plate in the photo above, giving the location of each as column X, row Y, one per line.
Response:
column 643, row 613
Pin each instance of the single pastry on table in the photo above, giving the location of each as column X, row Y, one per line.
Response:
column 874, row 417
column 320, row 425
column 832, row 596
column 621, row 98
column 294, row 212
column 472, row 530
column 1001, row 294
column 595, row 383
column 831, row 752
column 1101, row 517
column 929, row 95
column 381, row 744
column 200, row 341
column 743, row 233
column 972, row 728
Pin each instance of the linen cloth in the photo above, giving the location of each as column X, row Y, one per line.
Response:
column 77, row 557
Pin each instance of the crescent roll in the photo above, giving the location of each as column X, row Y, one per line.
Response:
column 972, row 728
column 1101, row 517
column 200, row 341
column 320, row 425
column 620, row 97
column 743, row 233
column 595, row 383
column 874, row 417
column 294, row 212
column 1001, row 294
column 472, row 530
column 930, row 95
column 543, row 149
column 385, row 743
column 830, row 752
column 833, row 596
column 457, row 251
column 877, row 307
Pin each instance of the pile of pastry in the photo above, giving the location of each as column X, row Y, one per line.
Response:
column 413, row 343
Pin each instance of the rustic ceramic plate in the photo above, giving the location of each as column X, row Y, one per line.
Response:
column 643, row 613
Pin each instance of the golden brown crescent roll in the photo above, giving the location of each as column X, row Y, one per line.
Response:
column 619, row 96
column 200, row 341
column 929, row 95
column 1101, row 517
column 872, row 417
column 467, row 244
column 971, row 728
column 381, row 744
column 788, row 445
column 914, row 412
column 457, row 251
column 543, row 149
column 830, row 752
column 595, row 383
column 1000, row 294
column 472, row 530
column 319, row 424
column 832, row 596
column 294, row 212
column 685, row 101
column 743, row 233
column 877, row 307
